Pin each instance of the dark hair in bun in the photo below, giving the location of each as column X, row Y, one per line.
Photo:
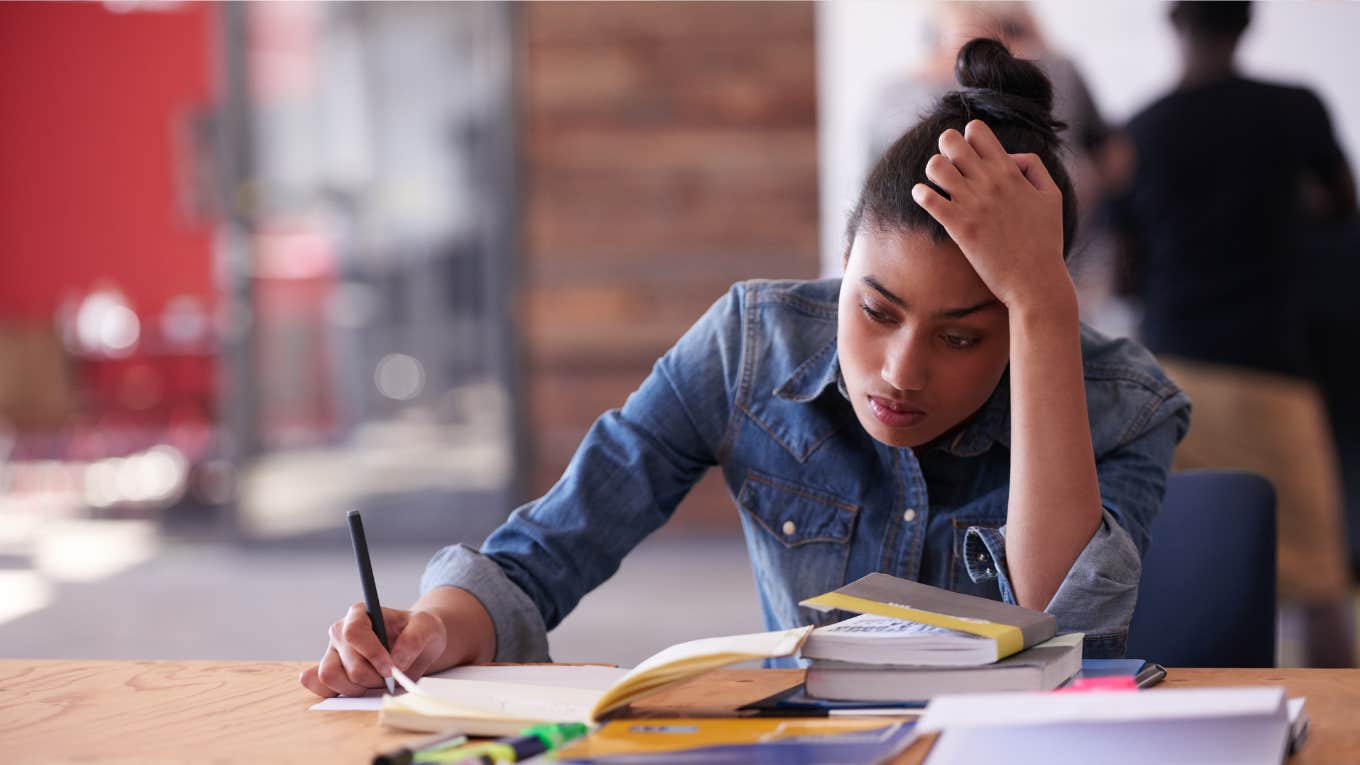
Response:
column 1013, row 96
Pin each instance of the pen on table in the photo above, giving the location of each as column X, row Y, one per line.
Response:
column 531, row 742
column 356, row 535
column 404, row 754
column 1150, row 675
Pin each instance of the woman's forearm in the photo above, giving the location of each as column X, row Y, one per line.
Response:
column 1055, row 505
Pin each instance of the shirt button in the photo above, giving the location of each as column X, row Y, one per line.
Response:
column 981, row 557
column 789, row 528
column 910, row 515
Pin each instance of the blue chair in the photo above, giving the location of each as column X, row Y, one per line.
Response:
column 1207, row 596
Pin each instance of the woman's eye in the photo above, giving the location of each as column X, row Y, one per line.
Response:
column 960, row 341
column 874, row 314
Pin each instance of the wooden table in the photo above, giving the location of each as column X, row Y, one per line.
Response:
column 227, row 712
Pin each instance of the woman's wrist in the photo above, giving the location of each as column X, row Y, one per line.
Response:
column 470, row 636
column 1054, row 307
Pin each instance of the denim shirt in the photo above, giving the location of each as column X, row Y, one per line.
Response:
column 754, row 387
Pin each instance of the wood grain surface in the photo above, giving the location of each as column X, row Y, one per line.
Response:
column 238, row 712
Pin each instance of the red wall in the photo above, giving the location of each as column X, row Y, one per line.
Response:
column 89, row 101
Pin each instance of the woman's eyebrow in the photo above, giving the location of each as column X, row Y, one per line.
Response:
column 899, row 302
column 948, row 313
column 959, row 313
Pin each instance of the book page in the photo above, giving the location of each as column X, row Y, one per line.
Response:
column 696, row 657
column 871, row 626
column 581, row 676
column 484, row 699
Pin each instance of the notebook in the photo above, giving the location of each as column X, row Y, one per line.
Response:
column 492, row 708
column 587, row 676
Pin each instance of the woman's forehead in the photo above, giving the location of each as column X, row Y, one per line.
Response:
column 914, row 266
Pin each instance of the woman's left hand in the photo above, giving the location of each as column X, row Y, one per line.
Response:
column 1004, row 212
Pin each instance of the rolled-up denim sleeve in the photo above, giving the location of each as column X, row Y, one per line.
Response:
column 520, row 632
column 630, row 472
column 1101, row 588
column 1102, row 578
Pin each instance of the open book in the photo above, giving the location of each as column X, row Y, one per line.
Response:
column 489, row 708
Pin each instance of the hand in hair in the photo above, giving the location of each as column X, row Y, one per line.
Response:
column 1004, row 211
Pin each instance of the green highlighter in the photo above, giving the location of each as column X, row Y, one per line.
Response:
column 531, row 742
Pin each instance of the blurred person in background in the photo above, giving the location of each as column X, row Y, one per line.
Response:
column 1228, row 171
column 1097, row 157
column 938, row 414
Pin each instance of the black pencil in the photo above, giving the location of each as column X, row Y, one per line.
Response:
column 356, row 535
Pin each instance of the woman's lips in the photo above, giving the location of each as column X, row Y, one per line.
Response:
column 895, row 414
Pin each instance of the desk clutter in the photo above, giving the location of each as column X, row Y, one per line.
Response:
column 984, row 680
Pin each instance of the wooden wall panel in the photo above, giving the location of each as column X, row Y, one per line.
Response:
column 669, row 150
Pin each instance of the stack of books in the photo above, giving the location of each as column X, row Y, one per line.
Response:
column 911, row 642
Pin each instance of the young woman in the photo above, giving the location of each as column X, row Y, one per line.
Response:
column 938, row 414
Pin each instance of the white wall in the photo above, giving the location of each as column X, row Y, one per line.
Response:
column 1123, row 47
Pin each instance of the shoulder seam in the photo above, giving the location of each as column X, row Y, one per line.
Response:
column 744, row 364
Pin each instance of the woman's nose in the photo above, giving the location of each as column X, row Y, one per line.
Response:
column 904, row 366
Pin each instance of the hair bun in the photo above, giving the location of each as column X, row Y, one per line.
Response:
column 987, row 64
column 1001, row 86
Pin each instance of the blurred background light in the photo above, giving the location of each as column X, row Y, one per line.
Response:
column 105, row 323
column 89, row 550
column 399, row 377
column 22, row 592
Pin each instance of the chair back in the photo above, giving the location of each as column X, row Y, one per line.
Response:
column 1207, row 594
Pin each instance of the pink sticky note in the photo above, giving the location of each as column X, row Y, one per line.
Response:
column 1117, row 683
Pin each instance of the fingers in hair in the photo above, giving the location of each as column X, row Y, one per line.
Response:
column 932, row 202
column 981, row 138
column 955, row 147
column 944, row 174
column 1034, row 171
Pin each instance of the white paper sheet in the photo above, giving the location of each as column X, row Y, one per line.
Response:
column 1008, row 709
column 370, row 703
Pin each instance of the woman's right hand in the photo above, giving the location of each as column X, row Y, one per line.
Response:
column 356, row 661
column 446, row 627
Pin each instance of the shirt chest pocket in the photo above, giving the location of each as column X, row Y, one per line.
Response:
column 799, row 540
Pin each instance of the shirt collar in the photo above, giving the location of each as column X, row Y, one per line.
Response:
column 989, row 425
column 814, row 376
